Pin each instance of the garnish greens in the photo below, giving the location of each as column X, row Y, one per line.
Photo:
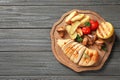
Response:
column 87, row 24
column 79, row 39
column 104, row 47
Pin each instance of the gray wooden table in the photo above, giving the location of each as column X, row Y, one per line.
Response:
column 25, row 51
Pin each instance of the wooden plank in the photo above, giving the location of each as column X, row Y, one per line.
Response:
column 60, row 2
column 33, row 40
column 45, row 16
column 44, row 63
column 24, row 40
column 59, row 77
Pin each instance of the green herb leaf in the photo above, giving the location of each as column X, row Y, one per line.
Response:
column 104, row 47
column 78, row 39
column 87, row 24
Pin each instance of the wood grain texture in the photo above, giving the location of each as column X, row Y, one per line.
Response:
column 59, row 77
column 25, row 52
column 43, row 17
column 44, row 63
column 24, row 40
column 32, row 40
column 59, row 3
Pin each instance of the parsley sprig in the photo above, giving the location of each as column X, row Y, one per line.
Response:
column 79, row 39
column 104, row 47
column 87, row 24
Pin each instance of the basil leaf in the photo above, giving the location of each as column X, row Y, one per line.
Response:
column 87, row 24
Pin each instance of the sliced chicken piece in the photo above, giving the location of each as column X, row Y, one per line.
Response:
column 79, row 54
column 83, row 57
column 89, row 58
column 62, row 42
column 75, row 53
column 72, row 50
column 66, row 45
column 94, row 58
column 69, row 47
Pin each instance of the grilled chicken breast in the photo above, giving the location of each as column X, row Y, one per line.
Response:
column 78, row 53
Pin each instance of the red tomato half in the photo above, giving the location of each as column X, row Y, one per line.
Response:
column 86, row 30
column 94, row 25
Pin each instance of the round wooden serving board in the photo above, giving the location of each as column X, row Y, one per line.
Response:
column 62, row 58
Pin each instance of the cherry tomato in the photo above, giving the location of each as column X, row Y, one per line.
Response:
column 86, row 30
column 94, row 25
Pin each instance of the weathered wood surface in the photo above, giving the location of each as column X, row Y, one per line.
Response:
column 59, row 77
column 44, row 16
column 25, row 50
column 32, row 40
column 59, row 2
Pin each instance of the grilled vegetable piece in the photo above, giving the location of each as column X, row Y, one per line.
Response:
column 105, row 30
column 70, row 16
